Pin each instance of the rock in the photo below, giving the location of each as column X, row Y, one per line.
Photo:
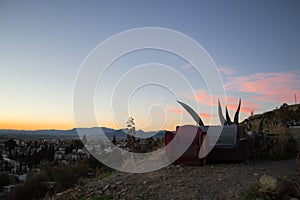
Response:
column 268, row 183
column 272, row 184
column 119, row 183
column 106, row 187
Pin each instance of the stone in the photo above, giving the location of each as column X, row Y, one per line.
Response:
column 268, row 183
column 273, row 184
column 119, row 182
column 106, row 187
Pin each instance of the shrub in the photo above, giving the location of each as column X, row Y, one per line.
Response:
column 101, row 197
column 31, row 189
column 4, row 180
column 284, row 147
column 67, row 176
column 281, row 146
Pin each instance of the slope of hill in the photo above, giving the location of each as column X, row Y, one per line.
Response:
column 220, row 181
column 276, row 120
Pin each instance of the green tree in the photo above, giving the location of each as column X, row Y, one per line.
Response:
column 10, row 146
column 149, row 144
column 33, row 188
column 77, row 144
column 67, row 176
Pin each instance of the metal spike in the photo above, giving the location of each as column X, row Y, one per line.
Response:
column 194, row 115
column 221, row 116
column 236, row 116
column 229, row 122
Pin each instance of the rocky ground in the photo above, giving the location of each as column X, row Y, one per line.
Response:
column 213, row 181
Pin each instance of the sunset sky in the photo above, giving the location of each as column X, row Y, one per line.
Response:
column 254, row 44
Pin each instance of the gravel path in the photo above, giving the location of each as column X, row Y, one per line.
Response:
column 218, row 181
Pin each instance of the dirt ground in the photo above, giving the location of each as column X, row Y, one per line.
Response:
column 213, row 181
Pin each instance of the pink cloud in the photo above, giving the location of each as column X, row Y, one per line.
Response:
column 206, row 115
column 179, row 110
column 174, row 109
column 226, row 71
column 268, row 87
column 246, row 106
column 188, row 65
column 201, row 96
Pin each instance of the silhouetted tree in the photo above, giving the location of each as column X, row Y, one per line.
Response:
column 10, row 146
column 114, row 140
column 84, row 140
column 4, row 180
column 77, row 144
column 130, row 133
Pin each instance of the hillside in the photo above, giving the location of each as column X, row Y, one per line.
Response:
column 219, row 181
column 276, row 120
column 213, row 181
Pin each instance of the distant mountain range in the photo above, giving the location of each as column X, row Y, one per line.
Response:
column 72, row 133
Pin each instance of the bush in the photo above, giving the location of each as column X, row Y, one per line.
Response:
column 31, row 189
column 281, row 146
column 67, row 176
column 4, row 180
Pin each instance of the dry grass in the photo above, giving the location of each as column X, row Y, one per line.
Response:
column 296, row 182
column 280, row 146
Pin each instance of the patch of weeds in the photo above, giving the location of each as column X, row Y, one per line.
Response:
column 103, row 175
column 146, row 196
column 253, row 192
column 282, row 146
column 101, row 197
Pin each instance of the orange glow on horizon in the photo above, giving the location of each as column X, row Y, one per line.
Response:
column 57, row 126
column 34, row 126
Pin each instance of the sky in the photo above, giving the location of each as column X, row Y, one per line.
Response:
column 254, row 44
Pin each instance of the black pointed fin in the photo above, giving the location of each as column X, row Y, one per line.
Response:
column 229, row 122
column 194, row 115
column 221, row 116
column 236, row 116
